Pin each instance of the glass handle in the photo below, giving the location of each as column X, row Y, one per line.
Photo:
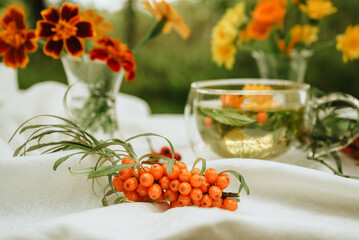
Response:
column 354, row 103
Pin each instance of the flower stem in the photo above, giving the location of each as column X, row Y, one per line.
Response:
column 156, row 30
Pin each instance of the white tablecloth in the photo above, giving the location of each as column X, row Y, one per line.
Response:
column 286, row 201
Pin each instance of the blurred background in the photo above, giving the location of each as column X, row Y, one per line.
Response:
column 168, row 64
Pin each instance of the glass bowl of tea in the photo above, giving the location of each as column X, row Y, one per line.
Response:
column 252, row 118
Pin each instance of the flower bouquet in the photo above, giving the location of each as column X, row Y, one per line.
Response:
column 95, row 63
column 281, row 35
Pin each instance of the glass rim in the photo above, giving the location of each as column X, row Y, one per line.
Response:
column 203, row 86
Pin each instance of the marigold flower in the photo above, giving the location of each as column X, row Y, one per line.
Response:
column 224, row 55
column 236, row 15
column 116, row 55
column 306, row 34
column 348, row 43
column 269, row 12
column 223, row 33
column 63, row 27
column 100, row 26
column 317, row 9
column 15, row 41
column 163, row 10
column 258, row 30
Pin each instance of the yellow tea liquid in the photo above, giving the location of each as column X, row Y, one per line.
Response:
column 237, row 133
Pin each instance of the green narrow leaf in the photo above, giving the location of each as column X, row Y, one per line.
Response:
column 120, row 200
column 228, row 117
column 236, row 199
column 338, row 161
column 104, row 202
column 203, row 165
column 243, row 184
column 62, row 159
column 169, row 166
column 81, row 172
column 108, row 170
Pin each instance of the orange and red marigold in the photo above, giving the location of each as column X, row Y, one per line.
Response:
column 116, row 55
column 15, row 40
column 63, row 27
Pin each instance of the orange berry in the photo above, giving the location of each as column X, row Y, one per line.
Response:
column 205, row 185
column 132, row 196
column 181, row 165
column 184, row 200
column 118, row 184
column 230, row 204
column 125, row 173
column 142, row 171
column 206, row 201
column 211, row 175
column 141, row 190
column 184, row 175
column 146, row 179
column 164, row 167
column 144, row 199
column 196, row 194
column 154, row 191
column 174, row 173
column 223, row 181
column 161, row 198
column 195, row 171
column 262, row 117
column 164, row 182
column 171, row 195
column 131, row 184
column 217, row 202
column 196, row 203
column 136, row 175
column 185, row 188
column 196, row 180
column 127, row 160
column 215, row 192
column 175, row 204
column 208, row 121
column 157, row 171
column 174, row 185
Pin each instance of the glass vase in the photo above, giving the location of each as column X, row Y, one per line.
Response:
column 91, row 99
column 282, row 66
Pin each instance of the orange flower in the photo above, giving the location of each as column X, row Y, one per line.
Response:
column 63, row 27
column 269, row 12
column 15, row 41
column 163, row 10
column 99, row 24
column 258, row 30
column 116, row 55
column 317, row 9
column 348, row 43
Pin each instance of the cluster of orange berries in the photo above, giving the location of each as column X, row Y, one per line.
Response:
column 181, row 188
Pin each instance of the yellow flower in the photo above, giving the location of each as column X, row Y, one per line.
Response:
column 236, row 15
column 306, row 34
column 174, row 21
column 224, row 55
column 317, row 9
column 99, row 24
column 223, row 33
column 348, row 43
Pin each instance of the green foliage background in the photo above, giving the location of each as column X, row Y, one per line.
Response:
column 168, row 65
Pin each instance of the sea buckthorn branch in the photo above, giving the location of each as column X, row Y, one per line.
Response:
column 133, row 178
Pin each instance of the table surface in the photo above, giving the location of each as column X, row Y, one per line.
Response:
column 289, row 199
